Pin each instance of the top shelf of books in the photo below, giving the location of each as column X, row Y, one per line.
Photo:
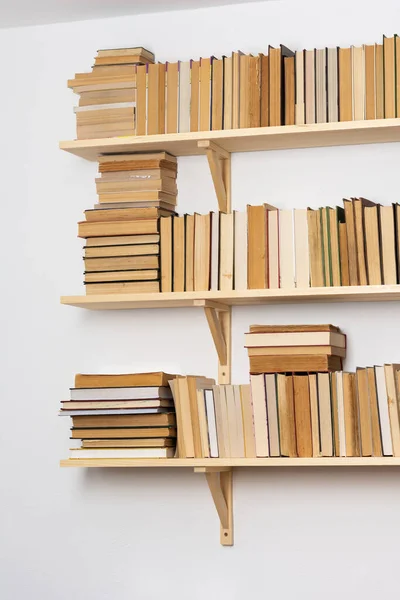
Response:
column 245, row 140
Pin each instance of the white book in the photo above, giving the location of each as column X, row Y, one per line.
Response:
column 226, row 251
column 333, row 92
column 120, row 411
column 272, row 415
column 94, row 107
column 302, row 252
column 239, row 422
column 340, row 415
column 184, row 97
column 212, row 424
column 203, row 426
column 215, row 250
column 260, row 414
column 120, row 453
column 122, row 393
column 300, row 104
column 273, row 248
column 384, row 420
column 286, row 249
column 312, row 338
column 240, row 250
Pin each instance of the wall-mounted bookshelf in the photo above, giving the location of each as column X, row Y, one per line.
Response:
column 217, row 146
column 245, row 140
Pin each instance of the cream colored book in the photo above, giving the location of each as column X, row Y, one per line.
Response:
column 316, row 444
column 300, row 104
column 332, row 80
column 232, row 425
column 260, row 414
column 319, row 338
column 184, row 97
column 286, row 250
column 215, row 245
column 273, row 248
column 388, row 245
column 228, row 89
column 201, row 252
column 272, row 414
column 221, row 436
column 340, row 410
column 309, row 78
column 240, row 250
column 320, row 86
column 226, row 251
column 325, row 413
column 393, row 403
column 248, row 422
column 383, row 405
column 211, row 423
column 302, row 252
column 225, row 420
column 239, row 422
column 358, row 75
column 186, row 419
column 203, row 425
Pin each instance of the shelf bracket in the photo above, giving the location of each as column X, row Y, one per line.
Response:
column 215, row 325
column 220, row 483
column 219, row 161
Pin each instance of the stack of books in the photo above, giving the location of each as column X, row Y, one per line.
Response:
column 295, row 348
column 327, row 414
column 263, row 247
column 280, row 87
column 122, row 252
column 107, row 95
column 122, row 416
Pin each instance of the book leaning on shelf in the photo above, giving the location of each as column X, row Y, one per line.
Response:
column 127, row 93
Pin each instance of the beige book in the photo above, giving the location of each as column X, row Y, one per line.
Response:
column 180, row 442
column 244, row 112
column 321, row 338
column 186, row 417
column 225, row 420
column 141, row 101
column 144, row 160
column 221, row 435
column 316, row 444
column 300, row 104
column 335, row 416
column 302, row 252
column 302, row 411
column 370, row 83
column 358, row 77
column 273, row 249
column 332, row 81
column 287, row 430
column 379, row 82
column 293, row 350
column 189, row 253
column 119, row 251
column 259, row 414
column 320, row 86
column 345, row 85
column 374, row 409
column 215, row 251
column 309, row 68
column 191, row 384
column 201, row 252
column 205, row 94
column 372, row 243
column 240, row 250
column 122, row 240
column 172, row 83
column 236, row 89
column 166, row 254
column 389, row 67
column 388, row 245
column 340, row 412
column 392, row 391
column 126, row 287
column 226, row 251
column 88, row 229
column 232, row 424
column 194, row 95
column 217, row 84
column 286, row 250
column 120, row 263
column 118, row 276
column 239, row 422
column 384, row 419
column 228, row 89
column 344, row 255
column 179, row 254
column 248, row 423
column 325, row 413
column 351, row 419
column 272, row 414
column 184, row 97
column 142, row 196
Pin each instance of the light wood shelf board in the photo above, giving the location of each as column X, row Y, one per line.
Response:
column 233, row 462
column 367, row 293
column 245, row 140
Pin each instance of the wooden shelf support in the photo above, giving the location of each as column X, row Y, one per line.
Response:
column 219, row 161
column 214, row 323
column 220, row 482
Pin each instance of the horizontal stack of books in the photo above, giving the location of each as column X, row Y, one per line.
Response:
column 107, row 95
column 122, row 252
column 281, row 87
column 327, row 414
column 264, row 247
column 295, row 348
column 122, row 416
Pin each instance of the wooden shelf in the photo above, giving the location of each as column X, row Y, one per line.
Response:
column 366, row 293
column 218, row 463
column 245, row 140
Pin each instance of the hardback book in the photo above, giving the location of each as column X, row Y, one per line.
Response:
column 88, row 229
column 203, row 425
column 273, row 249
column 121, row 251
column 359, row 207
column 300, row 97
column 228, row 91
column 256, row 223
column 113, row 411
column 236, row 89
column 309, row 78
column 189, row 253
column 351, row 242
column 272, row 414
column 205, row 93
column 343, row 253
column 139, row 380
column 121, row 453
column 155, row 98
column 364, row 409
column 184, row 97
column 202, row 234
column 372, row 245
column 301, row 247
column 321, row 108
column 332, row 84
column 178, row 254
column 226, row 251
column 286, row 250
column 254, row 89
column 317, row 274
column 384, row 419
column 248, row 422
column 392, row 383
column 325, row 414
column 276, row 84
column 240, row 250
column 345, row 85
column 264, row 90
column 217, row 94
column 120, row 393
column 374, row 410
column 341, row 428
column 130, row 443
column 211, row 423
column 290, row 99
column 293, row 338
column 389, row 68
column 379, row 82
column 172, row 97
column 287, row 426
column 126, row 287
column 123, row 432
column 293, row 350
column 370, row 82
column 138, row 420
column 240, row 435
column 215, row 250
column 314, row 410
column 257, row 384
column 244, row 92
column 294, row 363
column 222, row 434
column 351, row 418
column 194, row 94
column 121, row 276
column 358, row 77
column 302, row 411
column 116, row 404
column 166, row 253
column 388, row 244
column 121, row 263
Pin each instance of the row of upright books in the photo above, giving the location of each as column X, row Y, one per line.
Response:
column 128, row 94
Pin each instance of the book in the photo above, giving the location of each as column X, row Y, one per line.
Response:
column 389, row 62
column 351, row 242
column 128, row 287
column 370, row 82
column 172, row 98
column 364, row 408
column 272, row 415
column 290, row 100
column 321, row 107
column 240, row 250
column 231, row 421
column 345, row 85
column 228, row 91
column 189, row 253
column 302, row 411
column 359, row 208
column 244, row 92
column 184, row 97
column 149, row 443
column 113, row 228
column 123, row 432
column 379, row 82
column 248, row 423
column 121, row 263
column 122, row 240
column 325, row 413
column 217, row 96
column 178, row 254
column 335, row 415
column 141, row 100
column 388, row 245
column 256, row 223
column 224, row 420
column 295, row 363
column 116, row 404
column 317, row 278
column 120, row 276
column 344, row 256
column 123, row 380
column 285, row 350
column 392, row 400
column 236, row 89
column 240, row 441
column 205, row 94
column 273, row 249
column 113, row 453
column 194, row 95
column 358, row 81
column 138, row 420
column 286, row 250
column 202, row 235
column 121, row 251
column 254, row 92
column 203, row 425
column 309, row 78
column 195, row 414
column 384, row 419
column 351, row 419
column 90, row 412
column 215, row 250
column 166, row 254
column 264, row 90
column 340, row 413
column 314, row 412
column 184, row 420
column 223, row 442
column 374, row 411
column 226, row 251
column 293, row 338
column 260, row 415
column 372, row 245
column 318, row 328
column 302, row 252
column 120, row 393
column 211, row 423
column 287, row 428
column 276, row 84
column 332, row 84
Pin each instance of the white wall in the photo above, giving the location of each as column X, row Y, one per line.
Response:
column 131, row 534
